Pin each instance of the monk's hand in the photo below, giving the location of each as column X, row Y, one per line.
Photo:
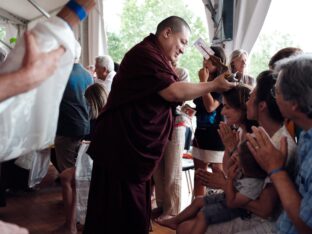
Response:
column 263, row 150
column 220, row 84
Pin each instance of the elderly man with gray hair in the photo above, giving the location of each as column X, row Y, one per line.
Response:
column 104, row 69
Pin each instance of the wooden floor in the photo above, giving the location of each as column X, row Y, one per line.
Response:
column 42, row 211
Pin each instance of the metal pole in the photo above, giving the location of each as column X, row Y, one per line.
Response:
column 7, row 45
column 39, row 8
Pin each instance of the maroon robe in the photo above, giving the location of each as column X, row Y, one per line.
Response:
column 129, row 141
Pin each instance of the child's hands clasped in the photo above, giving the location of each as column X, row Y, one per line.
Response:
column 233, row 170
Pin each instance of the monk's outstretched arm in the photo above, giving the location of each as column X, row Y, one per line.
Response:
column 182, row 91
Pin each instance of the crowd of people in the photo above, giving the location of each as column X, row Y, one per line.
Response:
column 251, row 174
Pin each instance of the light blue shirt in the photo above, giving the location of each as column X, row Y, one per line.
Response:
column 303, row 183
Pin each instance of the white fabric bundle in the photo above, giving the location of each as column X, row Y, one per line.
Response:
column 83, row 173
column 28, row 121
column 37, row 162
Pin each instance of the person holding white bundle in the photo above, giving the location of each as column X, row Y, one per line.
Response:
column 32, row 81
column 29, row 100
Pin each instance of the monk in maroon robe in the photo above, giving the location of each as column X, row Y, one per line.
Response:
column 133, row 129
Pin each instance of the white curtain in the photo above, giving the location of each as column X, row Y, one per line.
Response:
column 249, row 16
column 96, row 32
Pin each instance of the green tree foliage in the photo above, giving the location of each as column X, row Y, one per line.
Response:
column 266, row 46
column 115, row 46
column 139, row 18
column 12, row 40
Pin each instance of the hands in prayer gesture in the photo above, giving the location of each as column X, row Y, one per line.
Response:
column 229, row 137
column 263, row 150
column 233, row 170
column 214, row 180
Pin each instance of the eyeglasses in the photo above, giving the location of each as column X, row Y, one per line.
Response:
column 273, row 92
column 273, row 89
column 274, row 76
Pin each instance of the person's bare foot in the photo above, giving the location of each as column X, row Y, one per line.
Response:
column 164, row 216
column 169, row 222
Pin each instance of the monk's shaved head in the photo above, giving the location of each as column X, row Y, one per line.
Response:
column 176, row 24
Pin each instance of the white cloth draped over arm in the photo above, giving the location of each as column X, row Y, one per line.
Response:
column 28, row 121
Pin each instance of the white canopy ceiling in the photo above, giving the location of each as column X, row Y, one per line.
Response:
column 92, row 35
column 249, row 16
column 24, row 10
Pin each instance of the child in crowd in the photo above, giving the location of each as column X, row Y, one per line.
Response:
column 244, row 183
column 96, row 97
